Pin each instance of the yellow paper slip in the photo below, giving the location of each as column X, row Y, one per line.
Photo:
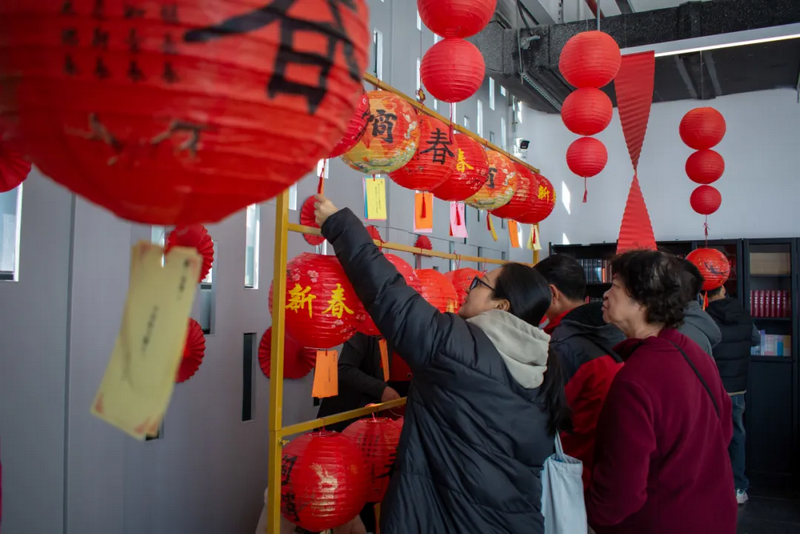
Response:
column 375, row 198
column 138, row 382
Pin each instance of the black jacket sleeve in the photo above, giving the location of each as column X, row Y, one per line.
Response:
column 411, row 325
column 351, row 364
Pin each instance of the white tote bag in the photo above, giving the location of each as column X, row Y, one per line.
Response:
column 562, row 494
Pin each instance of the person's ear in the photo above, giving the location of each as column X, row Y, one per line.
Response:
column 554, row 293
column 503, row 305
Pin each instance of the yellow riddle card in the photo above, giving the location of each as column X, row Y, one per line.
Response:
column 375, row 198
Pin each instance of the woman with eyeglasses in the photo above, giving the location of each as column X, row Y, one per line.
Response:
column 485, row 402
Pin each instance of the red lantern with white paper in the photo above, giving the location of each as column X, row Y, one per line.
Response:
column 713, row 265
column 172, row 113
column 470, row 171
column 298, row 361
column 590, row 59
column 14, row 168
column 377, row 439
column 364, row 322
column 193, row 352
column 500, row 186
column 705, row 167
column 434, row 161
column 544, row 204
column 194, row 236
column 355, row 128
column 437, row 290
column 324, row 481
column 524, row 199
column 452, row 70
column 461, row 280
column 456, row 18
column 705, row 200
column 702, row 128
column 587, row 111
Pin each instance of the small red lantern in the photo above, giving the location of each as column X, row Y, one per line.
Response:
column 298, row 361
column 307, row 218
column 423, row 242
column 705, row 200
column 434, row 161
column 524, row 199
column 377, row 439
column 355, row 128
column 452, row 70
column 193, row 352
column 437, row 290
column 702, row 128
column 14, row 168
column 590, row 59
column 713, row 265
column 705, row 167
column 587, row 156
column 193, row 236
column 587, row 111
column 544, row 204
column 461, row 280
column 470, row 173
column 364, row 322
column 500, row 185
column 324, row 481
column 172, row 113
column 456, row 18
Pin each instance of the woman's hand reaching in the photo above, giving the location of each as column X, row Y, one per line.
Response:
column 323, row 208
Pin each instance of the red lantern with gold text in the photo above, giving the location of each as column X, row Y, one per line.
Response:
column 298, row 361
column 470, row 173
column 181, row 112
column 193, row 352
column 456, row 18
column 437, row 290
column 14, row 168
column 705, row 200
column 525, row 198
column 713, row 265
column 461, row 280
column 377, row 439
column 544, row 204
column 590, row 59
column 364, row 322
column 194, row 236
column 324, row 481
column 702, row 128
column 452, row 70
column 500, row 186
column 355, row 128
column 434, row 161
column 705, row 167
column 587, row 111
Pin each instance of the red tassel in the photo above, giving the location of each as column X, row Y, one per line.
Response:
column 452, row 130
column 489, row 221
column 423, row 213
column 705, row 225
column 321, row 186
column 705, row 300
column 585, row 191
column 458, row 216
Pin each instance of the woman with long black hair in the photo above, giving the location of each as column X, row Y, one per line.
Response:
column 484, row 406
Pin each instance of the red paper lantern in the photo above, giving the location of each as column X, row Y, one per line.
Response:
column 434, row 161
column 437, row 290
column 461, row 280
column 298, row 361
column 355, row 128
column 713, row 265
column 374, row 233
column 193, row 236
column 377, row 439
column 452, row 70
column 14, row 168
column 193, row 352
column 702, row 128
column 307, row 218
column 587, row 111
column 423, row 242
column 500, row 186
column 544, row 204
column 705, row 200
column 524, row 200
column 391, row 138
column 456, row 18
column 705, row 167
column 182, row 112
column 324, row 481
column 399, row 371
column 470, row 172
column 321, row 305
column 587, row 156
column 364, row 322
column 590, row 59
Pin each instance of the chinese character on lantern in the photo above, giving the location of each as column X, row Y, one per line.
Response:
column 299, row 297
column 439, row 146
column 461, row 163
column 336, row 305
column 383, row 125
column 544, row 193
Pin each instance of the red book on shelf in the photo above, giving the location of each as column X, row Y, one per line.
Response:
column 752, row 304
column 788, row 304
column 771, row 303
column 760, row 296
column 779, row 304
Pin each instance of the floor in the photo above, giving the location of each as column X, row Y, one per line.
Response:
column 770, row 513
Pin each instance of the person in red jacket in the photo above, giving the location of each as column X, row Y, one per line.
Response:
column 661, row 458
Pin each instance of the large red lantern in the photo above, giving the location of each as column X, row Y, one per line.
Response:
column 500, row 186
column 587, row 111
column 324, row 481
column 321, row 305
column 437, row 290
column 590, row 59
column 587, row 156
column 298, row 361
column 470, row 173
column 705, row 167
column 377, row 439
column 452, row 70
column 544, row 204
column 461, row 280
column 193, row 352
column 14, row 168
column 391, row 138
column 713, row 265
column 702, row 128
column 194, row 236
column 174, row 113
column 456, row 18
column 355, row 128
column 434, row 161
column 364, row 322
column 524, row 198
column 705, row 200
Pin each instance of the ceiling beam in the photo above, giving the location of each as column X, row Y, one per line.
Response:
column 711, row 68
column 538, row 11
column 625, row 7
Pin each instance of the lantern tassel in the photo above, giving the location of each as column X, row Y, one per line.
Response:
column 585, row 191
column 452, row 133
column 705, row 300
column 705, row 226
column 321, row 186
column 423, row 212
column 458, row 216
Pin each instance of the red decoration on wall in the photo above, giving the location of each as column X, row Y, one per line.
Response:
column 634, row 87
column 355, row 128
column 524, row 199
column 587, row 111
column 470, row 173
column 437, row 289
column 705, row 167
column 545, row 201
column 307, row 218
column 193, row 352
column 636, row 231
column 193, row 236
column 298, row 361
column 179, row 113
column 500, row 185
column 364, row 322
column 452, row 70
column 713, row 265
column 374, row 233
column 456, row 18
column 324, row 481
column 705, row 200
column 377, row 439
column 434, row 161
column 590, row 59
column 424, row 242
column 14, row 168
column 461, row 280
column 587, row 156
column 702, row 128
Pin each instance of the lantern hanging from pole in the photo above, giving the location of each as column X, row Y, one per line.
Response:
column 437, row 290
column 587, row 111
column 500, row 185
column 461, row 280
column 324, row 481
column 434, row 161
column 705, row 200
column 713, row 265
column 14, row 168
column 705, row 167
column 544, row 204
column 193, row 352
column 377, row 439
column 590, row 59
column 452, row 70
column 391, row 138
column 524, row 198
column 470, row 173
column 456, row 18
column 355, row 128
column 363, row 322
column 307, row 218
column 194, row 236
column 587, row 156
column 702, row 128
column 298, row 361
column 172, row 113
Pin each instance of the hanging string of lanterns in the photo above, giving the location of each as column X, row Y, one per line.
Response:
column 702, row 129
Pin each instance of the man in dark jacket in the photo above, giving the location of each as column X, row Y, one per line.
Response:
column 583, row 341
column 697, row 324
column 733, row 361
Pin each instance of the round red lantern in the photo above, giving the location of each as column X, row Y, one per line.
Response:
column 452, row 70
column 702, row 128
column 193, row 352
column 324, row 481
column 355, row 128
column 587, row 156
column 391, row 138
column 500, row 185
column 434, row 161
column 437, row 290
column 524, row 199
column 544, row 204
column 705, row 200
column 298, row 361
column 456, row 18
column 705, row 167
column 14, row 168
column 193, row 236
column 461, row 280
column 713, row 265
column 470, row 172
column 321, row 305
column 173, row 113
column 587, row 111
column 364, row 322
column 377, row 439
column 590, row 59
column 307, row 218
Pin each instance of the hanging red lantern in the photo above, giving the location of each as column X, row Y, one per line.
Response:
column 705, row 200
column 298, row 361
column 470, row 172
column 587, row 111
column 500, row 185
column 324, row 481
column 355, row 128
column 180, row 113
column 713, row 265
column 377, row 439
column 434, row 161
column 437, row 290
column 524, row 199
column 307, row 218
column 705, row 167
column 461, row 280
column 14, row 168
column 702, row 128
column 452, row 70
column 193, row 236
column 321, row 305
column 544, row 204
column 456, row 18
column 193, row 352
column 364, row 323
column 391, row 138
column 587, row 156
column 590, row 59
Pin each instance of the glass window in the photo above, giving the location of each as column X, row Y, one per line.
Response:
column 377, row 54
column 252, row 228
column 10, row 225
column 480, row 119
column 491, row 93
